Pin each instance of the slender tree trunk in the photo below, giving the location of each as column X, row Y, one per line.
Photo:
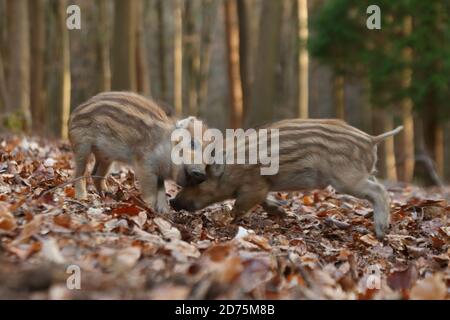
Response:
column 192, row 54
column 439, row 151
column 383, row 122
column 4, row 98
column 406, row 137
column 3, row 30
column 162, row 50
column 178, row 58
column 389, row 149
column 209, row 14
column 263, row 90
column 234, row 77
column 18, row 77
column 104, row 82
column 61, row 96
column 244, row 8
column 303, row 59
column 142, row 69
column 124, row 46
column 425, row 168
column 434, row 136
column 339, row 96
column 37, row 93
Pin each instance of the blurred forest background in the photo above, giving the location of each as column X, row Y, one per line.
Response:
column 238, row 63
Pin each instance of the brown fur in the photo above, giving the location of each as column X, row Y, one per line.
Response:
column 126, row 127
column 313, row 154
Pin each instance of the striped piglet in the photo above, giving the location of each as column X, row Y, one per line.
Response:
column 126, row 127
column 312, row 154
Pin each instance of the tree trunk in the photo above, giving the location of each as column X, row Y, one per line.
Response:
column 383, row 122
column 142, row 69
column 434, row 136
column 4, row 98
column 339, row 96
column 246, row 42
column 303, row 60
column 61, row 85
column 234, row 77
column 162, row 50
column 18, row 77
column 192, row 54
column 406, row 137
column 124, row 46
column 37, row 93
column 209, row 15
column 425, row 170
column 178, row 58
column 263, row 89
column 103, row 56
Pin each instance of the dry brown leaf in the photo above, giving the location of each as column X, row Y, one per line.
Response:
column 30, row 229
column 127, row 258
column 402, row 279
column 369, row 239
column 430, row 288
column 219, row 252
column 51, row 252
column 7, row 220
column 140, row 219
column 148, row 237
column 308, row 200
column 182, row 250
column 259, row 241
column 63, row 220
column 167, row 230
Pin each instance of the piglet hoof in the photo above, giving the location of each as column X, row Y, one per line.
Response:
column 106, row 194
column 381, row 230
column 81, row 196
column 162, row 208
column 277, row 213
column 237, row 219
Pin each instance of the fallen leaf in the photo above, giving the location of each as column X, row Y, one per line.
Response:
column 51, row 252
column 63, row 220
column 430, row 288
column 30, row 229
column 166, row 229
column 369, row 239
column 127, row 258
column 182, row 250
column 308, row 200
column 140, row 219
column 126, row 210
column 7, row 220
column 402, row 279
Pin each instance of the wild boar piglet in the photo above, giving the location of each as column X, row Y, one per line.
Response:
column 128, row 128
column 313, row 154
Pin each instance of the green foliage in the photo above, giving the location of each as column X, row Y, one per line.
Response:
column 341, row 40
column 14, row 122
column 431, row 44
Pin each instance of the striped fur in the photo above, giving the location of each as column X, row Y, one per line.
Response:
column 313, row 153
column 126, row 127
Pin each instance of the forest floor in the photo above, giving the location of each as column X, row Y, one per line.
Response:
column 324, row 249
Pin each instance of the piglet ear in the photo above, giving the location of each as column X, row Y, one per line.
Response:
column 184, row 123
column 215, row 170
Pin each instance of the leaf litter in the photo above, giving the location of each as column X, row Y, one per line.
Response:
column 323, row 249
